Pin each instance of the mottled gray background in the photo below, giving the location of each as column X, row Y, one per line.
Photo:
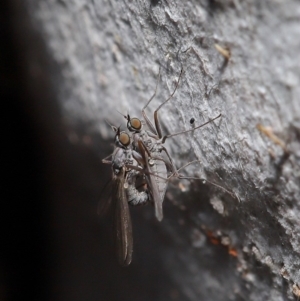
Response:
column 85, row 60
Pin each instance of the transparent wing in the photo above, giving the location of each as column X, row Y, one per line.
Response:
column 151, row 179
column 105, row 198
column 122, row 221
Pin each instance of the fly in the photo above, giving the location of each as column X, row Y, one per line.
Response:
column 149, row 143
column 125, row 170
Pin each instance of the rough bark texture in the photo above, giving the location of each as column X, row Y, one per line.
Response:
column 103, row 56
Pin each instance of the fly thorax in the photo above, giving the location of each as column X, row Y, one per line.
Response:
column 118, row 160
column 146, row 140
column 148, row 144
column 128, row 160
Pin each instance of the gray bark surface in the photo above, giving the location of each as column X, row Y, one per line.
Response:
column 210, row 246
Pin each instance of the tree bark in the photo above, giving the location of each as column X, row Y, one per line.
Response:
column 86, row 61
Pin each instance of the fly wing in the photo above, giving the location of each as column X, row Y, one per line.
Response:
column 151, row 178
column 105, row 198
column 106, row 193
column 122, row 221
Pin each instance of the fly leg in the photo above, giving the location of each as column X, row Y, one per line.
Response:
column 105, row 161
column 173, row 167
column 179, row 176
column 163, row 139
column 157, row 129
column 147, row 120
column 156, row 120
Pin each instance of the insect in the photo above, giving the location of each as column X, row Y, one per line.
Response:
column 192, row 120
column 149, row 143
column 122, row 191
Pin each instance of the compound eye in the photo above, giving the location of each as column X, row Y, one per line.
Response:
column 124, row 139
column 135, row 123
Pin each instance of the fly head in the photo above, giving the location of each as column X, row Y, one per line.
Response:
column 134, row 124
column 122, row 139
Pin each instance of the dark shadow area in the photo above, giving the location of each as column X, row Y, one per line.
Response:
column 25, row 248
column 54, row 247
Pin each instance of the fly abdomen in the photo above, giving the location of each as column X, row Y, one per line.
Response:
column 136, row 197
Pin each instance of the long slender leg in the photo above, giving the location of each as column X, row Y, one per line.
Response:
column 233, row 195
column 187, row 164
column 190, row 130
column 174, row 170
column 147, row 120
column 105, row 159
column 168, row 136
column 142, row 144
column 156, row 121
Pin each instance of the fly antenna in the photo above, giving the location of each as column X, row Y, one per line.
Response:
column 114, row 128
column 125, row 116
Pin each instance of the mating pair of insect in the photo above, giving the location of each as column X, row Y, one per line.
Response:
column 140, row 158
